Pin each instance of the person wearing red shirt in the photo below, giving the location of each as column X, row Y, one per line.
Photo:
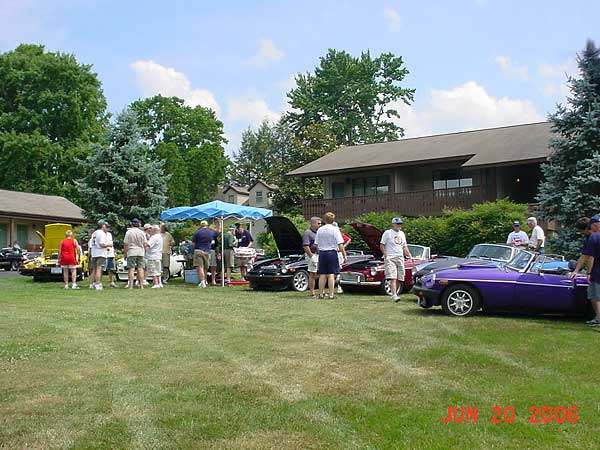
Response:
column 68, row 258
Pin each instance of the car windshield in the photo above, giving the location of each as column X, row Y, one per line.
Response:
column 418, row 251
column 496, row 252
column 520, row 261
column 550, row 263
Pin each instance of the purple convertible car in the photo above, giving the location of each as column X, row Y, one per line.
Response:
column 528, row 282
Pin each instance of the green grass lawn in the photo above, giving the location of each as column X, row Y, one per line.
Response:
column 227, row 368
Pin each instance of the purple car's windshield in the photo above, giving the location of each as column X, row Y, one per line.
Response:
column 495, row 252
column 520, row 261
column 418, row 251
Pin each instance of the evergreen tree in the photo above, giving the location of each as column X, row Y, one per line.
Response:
column 571, row 185
column 122, row 180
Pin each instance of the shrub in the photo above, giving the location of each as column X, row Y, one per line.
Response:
column 456, row 232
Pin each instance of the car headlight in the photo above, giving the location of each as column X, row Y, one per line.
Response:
column 37, row 262
column 373, row 271
column 284, row 269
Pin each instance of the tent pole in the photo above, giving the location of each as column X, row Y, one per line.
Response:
column 222, row 252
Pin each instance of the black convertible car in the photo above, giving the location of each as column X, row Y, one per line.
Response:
column 290, row 269
column 11, row 258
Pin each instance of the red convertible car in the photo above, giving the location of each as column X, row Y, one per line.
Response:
column 370, row 274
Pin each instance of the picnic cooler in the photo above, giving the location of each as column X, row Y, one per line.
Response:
column 244, row 254
column 191, row 276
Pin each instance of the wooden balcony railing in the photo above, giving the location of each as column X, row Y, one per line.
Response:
column 412, row 204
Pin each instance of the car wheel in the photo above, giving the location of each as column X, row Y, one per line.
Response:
column 386, row 287
column 166, row 275
column 14, row 266
column 300, row 281
column 461, row 301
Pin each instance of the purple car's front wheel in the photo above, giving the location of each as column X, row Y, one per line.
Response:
column 460, row 301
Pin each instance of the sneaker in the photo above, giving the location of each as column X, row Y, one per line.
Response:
column 340, row 290
column 146, row 283
column 395, row 298
column 99, row 287
column 161, row 285
column 74, row 286
column 156, row 286
column 593, row 323
column 93, row 286
column 66, row 286
column 113, row 284
column 200, row 285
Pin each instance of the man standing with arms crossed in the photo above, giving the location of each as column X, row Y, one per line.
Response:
column 134, row 247
column 394, row 248
column 310, row 249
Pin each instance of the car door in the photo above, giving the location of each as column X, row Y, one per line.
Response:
column 544, row 292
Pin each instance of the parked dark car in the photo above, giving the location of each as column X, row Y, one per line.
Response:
column 12, row 258
column 483, row 254
column 290, row 269
column 529, row 282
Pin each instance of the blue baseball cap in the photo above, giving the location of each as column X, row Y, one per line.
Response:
column 595, row 219
column 397, row 220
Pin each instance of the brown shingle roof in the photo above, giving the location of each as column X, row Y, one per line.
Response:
column 37, row 206
column 492, row 146
column 239, row 189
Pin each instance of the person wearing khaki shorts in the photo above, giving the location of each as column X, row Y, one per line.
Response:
column 394, row 248
column 201, row 259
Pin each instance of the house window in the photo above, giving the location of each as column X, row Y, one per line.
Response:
column 23, row 235
column 3, row 235
column 370, row 186
column 337, row 190
column 231, row 198
column 451, row 179
column 259, row 196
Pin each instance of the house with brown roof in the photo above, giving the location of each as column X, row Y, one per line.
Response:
column 425, row 175
column 261, row 194
column 232, row 193
column 22, row 214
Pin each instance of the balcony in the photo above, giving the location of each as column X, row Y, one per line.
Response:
column 412, row 204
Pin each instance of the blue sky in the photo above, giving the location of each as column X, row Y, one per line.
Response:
column 474, row 63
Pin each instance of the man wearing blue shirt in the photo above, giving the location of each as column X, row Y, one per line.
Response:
column 591, row 255
column 202, row 240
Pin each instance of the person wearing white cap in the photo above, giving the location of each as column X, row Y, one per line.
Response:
column 394, row 248
column 202, row 241
column 517, row 238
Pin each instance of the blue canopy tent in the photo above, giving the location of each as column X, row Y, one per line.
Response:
column 216, row 210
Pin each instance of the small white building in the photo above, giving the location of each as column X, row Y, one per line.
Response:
column 261, row 194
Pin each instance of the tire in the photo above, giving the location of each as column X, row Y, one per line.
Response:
column 14, row 266
column 461, row 300
column 300, row 281
column 166, row 275
column 386, row 288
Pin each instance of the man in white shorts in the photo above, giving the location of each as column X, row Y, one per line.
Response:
column 394, row 248
column 310, row 249
column 154, row 256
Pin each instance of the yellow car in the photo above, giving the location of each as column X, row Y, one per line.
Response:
column 45, row 267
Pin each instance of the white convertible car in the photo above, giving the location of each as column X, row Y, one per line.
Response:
column 176, row 267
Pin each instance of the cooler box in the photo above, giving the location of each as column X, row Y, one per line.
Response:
column 191, row 276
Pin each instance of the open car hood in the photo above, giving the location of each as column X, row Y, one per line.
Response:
column 371, row 235
column 287, row 238
column 54, row 233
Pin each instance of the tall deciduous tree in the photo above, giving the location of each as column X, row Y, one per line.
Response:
column 353, row 96
column 571, row 185
column 52, row 96
column 121, row 180
column 196, row 133
column 255, row 159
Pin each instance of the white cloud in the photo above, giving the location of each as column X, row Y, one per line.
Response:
column 465, row 107
column 154, row 78
column 393, row 19
column 267, row 52
column 512, row 69
column 250, row 109
column 555, row 77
